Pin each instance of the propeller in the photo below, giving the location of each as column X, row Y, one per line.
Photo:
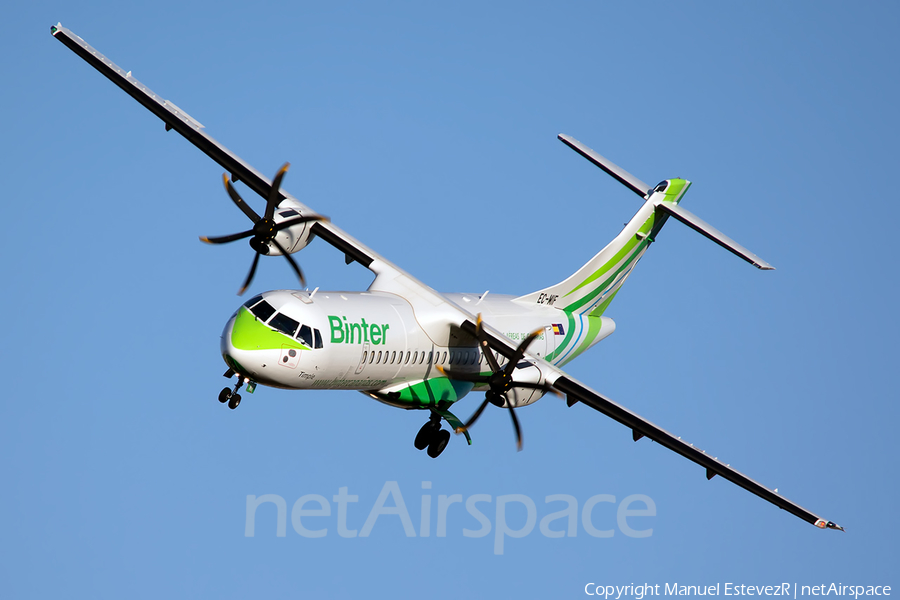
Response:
column 500, row 381
column 264, row 228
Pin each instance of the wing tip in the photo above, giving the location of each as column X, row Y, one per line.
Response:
column 823, row 524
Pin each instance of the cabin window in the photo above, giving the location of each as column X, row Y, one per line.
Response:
column 365, row 356
column 378, row 360
column 444, row 358
column 407, row 357
column 393, row 356
column 305, row 335
column 318, row 338
column 284, row 324
column 415, row 356
column 372, row 358
column 263, row 310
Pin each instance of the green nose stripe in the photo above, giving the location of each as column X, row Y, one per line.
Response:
column 249, row 333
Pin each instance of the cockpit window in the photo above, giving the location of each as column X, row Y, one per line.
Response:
column 318, row 338
column 289, row 213
column 661, row 186
column 305, row 336
column 263, row 310
column 253, row 300
column 284, row 324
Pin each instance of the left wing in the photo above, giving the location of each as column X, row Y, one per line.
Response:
column 194, row 132
column 390, row 276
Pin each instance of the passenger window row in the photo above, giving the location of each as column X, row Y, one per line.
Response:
column 416, row 357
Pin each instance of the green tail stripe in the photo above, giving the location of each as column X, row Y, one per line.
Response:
column 645, row 229
column 568, row 337
column 675, row 187
column 598, row 312
column 600, row 288
column 593, row 331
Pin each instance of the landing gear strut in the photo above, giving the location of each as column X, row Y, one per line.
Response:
column 431, row 436
column 231, row 396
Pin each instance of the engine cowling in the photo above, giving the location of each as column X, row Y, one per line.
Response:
column 294, row 238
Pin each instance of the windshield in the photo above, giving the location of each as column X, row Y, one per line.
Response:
column 284, row 324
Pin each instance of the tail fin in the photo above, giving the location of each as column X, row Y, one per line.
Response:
column 589, row 290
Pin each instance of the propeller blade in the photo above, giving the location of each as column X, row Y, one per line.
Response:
column 295, row 266
column 224, row 239
column 245, row 208
column 275, row 191
column 250, row 274
column 474, row 416
column 463, row 376
column 485, row 347
column 298, row 220
column 515, row 420
column 520, row 351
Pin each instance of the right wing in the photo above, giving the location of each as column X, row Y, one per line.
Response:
column 641, row 427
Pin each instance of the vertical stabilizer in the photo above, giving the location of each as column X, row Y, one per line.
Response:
column 592, row 287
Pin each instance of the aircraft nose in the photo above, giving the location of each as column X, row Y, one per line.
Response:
column 232, row 355
column 249, row 346
column 243, row 344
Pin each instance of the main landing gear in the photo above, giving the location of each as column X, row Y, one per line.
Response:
column 431, row 436
column 231, row 396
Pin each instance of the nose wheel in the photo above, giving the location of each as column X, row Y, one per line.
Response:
column 231, row 396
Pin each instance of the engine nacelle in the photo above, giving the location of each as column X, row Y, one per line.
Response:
column 517, row 396
column 294, row 238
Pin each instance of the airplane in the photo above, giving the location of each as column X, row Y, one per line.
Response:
column 406, row 345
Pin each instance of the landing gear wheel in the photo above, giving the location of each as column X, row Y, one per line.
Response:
column 224, row 395
column 438, row 444
column 426, row 435
column 234, row 401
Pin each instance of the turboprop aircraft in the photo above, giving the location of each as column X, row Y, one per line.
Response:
column 404, row 344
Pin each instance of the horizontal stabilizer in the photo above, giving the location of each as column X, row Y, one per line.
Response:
column 698, row 224
column 636, row 185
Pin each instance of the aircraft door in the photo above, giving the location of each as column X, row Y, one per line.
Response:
column 363, row 358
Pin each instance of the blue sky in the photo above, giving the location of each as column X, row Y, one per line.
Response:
column 428, row 132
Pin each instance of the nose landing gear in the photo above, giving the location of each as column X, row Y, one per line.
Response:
column 231, row 396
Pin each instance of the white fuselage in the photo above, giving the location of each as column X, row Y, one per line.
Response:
column 369, row 340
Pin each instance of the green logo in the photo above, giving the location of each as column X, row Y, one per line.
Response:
column 343, row 332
